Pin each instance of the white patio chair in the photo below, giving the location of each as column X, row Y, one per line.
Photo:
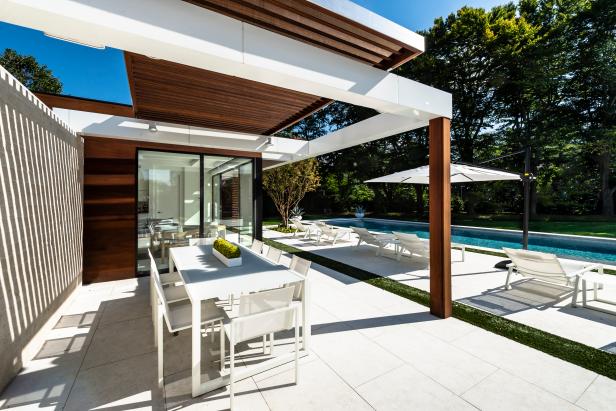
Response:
column 412, row 244
column 379, row 240
column 260, row 314
column 334, row 234
column 256, row 246
column 172, row 283
column 547, row 268
column 302, row 267
column 178, row 317
column 273, row 254
column 307, row 229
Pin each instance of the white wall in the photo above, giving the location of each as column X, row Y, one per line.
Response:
column 41, row 223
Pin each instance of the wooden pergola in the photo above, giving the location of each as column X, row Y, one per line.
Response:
column 256, row 67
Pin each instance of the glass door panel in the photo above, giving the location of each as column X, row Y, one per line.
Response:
column 168, row 197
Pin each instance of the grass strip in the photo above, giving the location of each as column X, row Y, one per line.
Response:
column 574, row 352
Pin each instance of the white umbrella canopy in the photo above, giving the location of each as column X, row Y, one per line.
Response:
column 460, row 173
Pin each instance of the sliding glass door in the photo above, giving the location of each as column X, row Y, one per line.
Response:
column 183, row 196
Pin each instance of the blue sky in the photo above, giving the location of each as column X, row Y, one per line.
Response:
column 101, row 74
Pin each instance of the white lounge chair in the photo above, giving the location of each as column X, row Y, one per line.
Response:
column 379, row 240
column 308, row 229
column 412, row 244
column 334, row 234
column 415, row 245
column 547, row 268
column 260, row 314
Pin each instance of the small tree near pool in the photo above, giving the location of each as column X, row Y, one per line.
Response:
column 287, row 185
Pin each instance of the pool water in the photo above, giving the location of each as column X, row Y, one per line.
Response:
column 579, row 248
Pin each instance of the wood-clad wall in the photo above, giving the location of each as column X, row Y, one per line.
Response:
column 109, row 233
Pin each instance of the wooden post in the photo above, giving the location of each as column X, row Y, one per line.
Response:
column 440, row 218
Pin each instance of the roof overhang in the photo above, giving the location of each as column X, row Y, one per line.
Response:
column 215, row 44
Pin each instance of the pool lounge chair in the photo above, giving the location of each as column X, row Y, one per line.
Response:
column 379, row 240
column 412, row 244
column 334, row 234
column 547, row 268
column 415, row 245
column 307, row 228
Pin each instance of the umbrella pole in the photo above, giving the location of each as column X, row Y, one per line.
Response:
column 527, row 182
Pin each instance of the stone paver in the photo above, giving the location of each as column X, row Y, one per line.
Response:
column 370, row 350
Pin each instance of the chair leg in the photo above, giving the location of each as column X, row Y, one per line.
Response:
column 231, row 369
column 272, row 344
column 296, row 345
column 155, row 312
column 576, row 291
column 222, row 348
column 160, row 343
column 264, row 344
column 507, row 286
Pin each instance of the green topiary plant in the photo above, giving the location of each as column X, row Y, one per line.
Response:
column 224, row 247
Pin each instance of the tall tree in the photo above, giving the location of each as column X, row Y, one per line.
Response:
column 37, row 77
column 287, row 185
column 591, row 89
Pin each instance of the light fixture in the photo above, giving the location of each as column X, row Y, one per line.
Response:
column 94, row 46
column 268, row 142
column 152, row 128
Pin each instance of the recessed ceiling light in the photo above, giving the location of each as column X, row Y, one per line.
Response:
column 153, row 128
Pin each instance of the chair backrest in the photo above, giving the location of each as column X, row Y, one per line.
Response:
column 365, row 235
column 263, row 313
column 406, row 236
column 543, row 266
column 325, row 229
column 412, row 243
column 200, row 241
column 273, row 254
column 257, row 246
column 302, row 267
column 155, row 277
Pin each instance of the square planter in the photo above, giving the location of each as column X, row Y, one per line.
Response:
column 229, row 262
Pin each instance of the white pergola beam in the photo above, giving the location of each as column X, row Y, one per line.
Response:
column 181, row 32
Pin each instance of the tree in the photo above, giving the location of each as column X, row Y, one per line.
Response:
column 287, row 185
column 35, row 76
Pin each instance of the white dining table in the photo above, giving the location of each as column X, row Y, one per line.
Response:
column 205, row 277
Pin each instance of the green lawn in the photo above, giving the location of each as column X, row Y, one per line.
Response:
column 588, row 225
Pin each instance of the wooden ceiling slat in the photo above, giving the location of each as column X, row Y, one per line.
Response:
column 170, row 92
column 283, row 11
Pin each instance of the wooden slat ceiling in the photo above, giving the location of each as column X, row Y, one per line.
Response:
column 170, row 92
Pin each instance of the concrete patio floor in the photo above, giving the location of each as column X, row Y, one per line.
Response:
column 370, row 350
column 476, row 282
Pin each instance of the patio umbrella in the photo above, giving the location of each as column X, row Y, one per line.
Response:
column 460, row 173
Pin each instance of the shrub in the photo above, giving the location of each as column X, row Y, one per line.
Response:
column 226, row 248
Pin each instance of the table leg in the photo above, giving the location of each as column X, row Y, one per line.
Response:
column 306, row 328
column 196, row 348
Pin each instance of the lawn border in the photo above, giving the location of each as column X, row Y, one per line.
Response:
column 592, row 359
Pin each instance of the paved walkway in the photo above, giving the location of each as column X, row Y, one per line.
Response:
column 370, row 350
column 476, row 282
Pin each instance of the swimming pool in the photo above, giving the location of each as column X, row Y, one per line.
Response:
column 576, row 247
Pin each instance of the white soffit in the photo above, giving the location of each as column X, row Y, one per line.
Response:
column 181, row 32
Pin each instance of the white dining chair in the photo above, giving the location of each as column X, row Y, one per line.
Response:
column 273, row 254
column 256, row 246
column 260, row 314
column 299, row 266
column 174, row 290
column 178, row 317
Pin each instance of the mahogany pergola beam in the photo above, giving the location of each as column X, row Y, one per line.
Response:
column 440, row 217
